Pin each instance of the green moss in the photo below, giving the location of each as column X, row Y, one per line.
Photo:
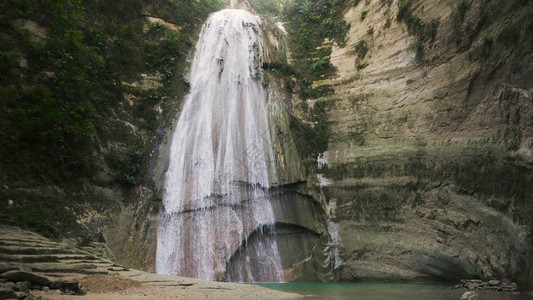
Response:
column 481, row 169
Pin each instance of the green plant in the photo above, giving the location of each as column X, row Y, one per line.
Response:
column 130, row 165
column 361, row 49
column 457, row 16
column 418, row 48
column 370, row 31
column 425, row 31
column 508, row 34
column 482, row 49
column 319, row 65
column 387, row 23
column 363, row 15
column 266, row 7
column 310, row 23
column 361, row 66
column 318, row 137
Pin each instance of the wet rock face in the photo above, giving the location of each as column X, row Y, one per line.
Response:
column 428, row 169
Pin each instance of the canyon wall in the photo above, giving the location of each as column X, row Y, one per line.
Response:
column 430, row 141
column 425, row 137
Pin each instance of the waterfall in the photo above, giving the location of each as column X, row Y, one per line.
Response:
column 217, row 220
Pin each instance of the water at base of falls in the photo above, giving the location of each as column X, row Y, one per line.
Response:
column 216, row 219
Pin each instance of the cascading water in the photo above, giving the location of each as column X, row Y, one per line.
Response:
column 216, row 198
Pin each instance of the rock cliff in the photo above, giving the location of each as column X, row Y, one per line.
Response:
column 422, row 126
column 429, row 155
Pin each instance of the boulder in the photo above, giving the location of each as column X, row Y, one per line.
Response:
column 23, row 286
column 8, row 285
column 469, row 295
column 494, row 282
column 17, row 275
column 21, row 295
column 6, row 293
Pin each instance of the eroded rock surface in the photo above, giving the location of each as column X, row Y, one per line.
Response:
column 47, row 266
column 428, row 169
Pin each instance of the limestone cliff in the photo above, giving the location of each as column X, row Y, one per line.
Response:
column 430, row 140
column 423, row 124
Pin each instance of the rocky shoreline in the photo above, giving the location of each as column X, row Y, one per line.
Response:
column 503, row 285
column 34, row 267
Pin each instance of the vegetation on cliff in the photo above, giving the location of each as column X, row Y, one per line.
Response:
column 66, row 69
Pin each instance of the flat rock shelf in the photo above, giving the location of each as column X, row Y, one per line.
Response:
column 56, row 265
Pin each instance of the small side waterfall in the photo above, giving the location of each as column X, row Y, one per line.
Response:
column 216, row 197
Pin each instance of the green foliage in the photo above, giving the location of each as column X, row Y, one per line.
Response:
column 130, row 165
column 457, row 16
column 163, row 49
column 370, row 31
column 418, row 48
column 309, row 24
column 318, row 137
column 362, row 66
column 187, row 14
column 48, row 106
column 425, row 31
column 54, row 86
column 361, row 49
column 461, row 7
column 307, row 91
column 266, row 7
column 363, row 15
column 482, row 49
column 387, row 23
column 508, row 34
column 145, row 108
column 319, row 66
column 48, row 216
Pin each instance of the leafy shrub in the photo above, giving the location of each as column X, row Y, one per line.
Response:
column 130, row 165
column 362, row 66
column 418, row 48
column 266, row 7
column 363, row 15
column 508, row 35
column 426, row 31
column 361, row 49
column 319, row 66
column 310, row 23
column 318, row 137
column 387, row 23
column 482, row 49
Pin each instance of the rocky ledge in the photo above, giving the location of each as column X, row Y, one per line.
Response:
column 491, row 285
column 34, row 267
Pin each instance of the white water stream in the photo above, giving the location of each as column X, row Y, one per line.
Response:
column 221, row 163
